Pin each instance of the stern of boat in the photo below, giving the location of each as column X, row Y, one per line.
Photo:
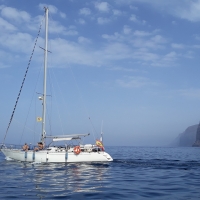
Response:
column 108, row 157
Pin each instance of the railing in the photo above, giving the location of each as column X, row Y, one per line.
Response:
column 93, row 148
column 14, row 146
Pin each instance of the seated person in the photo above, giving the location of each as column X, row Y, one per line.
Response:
column 40, row 146
column 25, row 147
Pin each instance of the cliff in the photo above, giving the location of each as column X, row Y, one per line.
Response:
column 188, row 137
column 197, row 141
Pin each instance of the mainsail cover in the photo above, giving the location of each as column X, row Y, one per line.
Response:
column 66, row 137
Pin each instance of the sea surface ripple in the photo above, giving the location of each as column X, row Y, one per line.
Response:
column 135, row 173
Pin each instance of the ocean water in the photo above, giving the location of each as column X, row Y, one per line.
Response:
column 135, row 173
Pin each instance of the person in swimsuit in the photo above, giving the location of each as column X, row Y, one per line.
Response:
column 40, row 146
column 25, row 147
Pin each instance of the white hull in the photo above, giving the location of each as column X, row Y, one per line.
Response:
column 55, row 156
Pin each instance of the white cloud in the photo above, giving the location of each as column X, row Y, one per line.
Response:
column 189, row 54
column 102, row 6
column 70, row 32
column 134, row 82
column 52, row 9
column 174, row 22
column 191, row 12
column 73, row 53
column 141, row 33
column 158, row 39
column 3, row 65
column 4, row 25
column 138, row 46
column 126, row 30
column 149, row 43
column 143, row 47
column 56, row 27
column 14, row 14
column 188, row 9
column 63, row 15
column 143, row 22
column 197, row 37
column 116, row 36
column 133, row 7
column 145, row 56
column 35, row 22
column 117, row 51
column 167, row 60
column 125, row 69
column 171, row 56
column 83, row 40
column 117, row 12
column 102, row 20
column 85, row 11
column 133, row 18
column 18, row 42
column 1, row 7
column 177, row 46
column 196, row 46
column 81, row 21
column 189, row 93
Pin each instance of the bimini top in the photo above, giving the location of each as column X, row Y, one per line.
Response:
column 66, row 137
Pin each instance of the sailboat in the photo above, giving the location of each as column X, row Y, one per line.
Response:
column 57, row 153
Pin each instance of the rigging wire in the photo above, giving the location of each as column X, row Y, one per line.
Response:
column 94, row 132
column 30, row 129
column 56, row 103
column 30, row 107
column 35, row 113
column 29, row 62
column 86, row 110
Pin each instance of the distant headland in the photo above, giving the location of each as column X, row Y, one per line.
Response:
column 189, row 138
column 197, row 141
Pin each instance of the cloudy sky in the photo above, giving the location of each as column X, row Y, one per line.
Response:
column 133, row 64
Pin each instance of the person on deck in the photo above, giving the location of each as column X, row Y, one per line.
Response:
column 40, row 146
column 25, row 147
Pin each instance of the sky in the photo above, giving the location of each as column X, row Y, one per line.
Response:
column 130, row 68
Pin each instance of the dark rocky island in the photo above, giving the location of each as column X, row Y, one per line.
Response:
column 190, row 137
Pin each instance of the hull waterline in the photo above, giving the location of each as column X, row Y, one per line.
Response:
column 45, row 156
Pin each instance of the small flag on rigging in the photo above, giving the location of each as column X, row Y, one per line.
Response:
column 39, row 119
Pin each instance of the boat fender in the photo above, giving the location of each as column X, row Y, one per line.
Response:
column 77, row 150
column 66, row 155
column 33, row 156
column 47, row 158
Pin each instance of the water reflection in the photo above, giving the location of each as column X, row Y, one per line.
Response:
column 64, row 179
column 138, row 174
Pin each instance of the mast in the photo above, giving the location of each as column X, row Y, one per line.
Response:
column 45, row 73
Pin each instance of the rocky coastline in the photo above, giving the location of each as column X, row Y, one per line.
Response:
column 189, row 138
column 197, row 141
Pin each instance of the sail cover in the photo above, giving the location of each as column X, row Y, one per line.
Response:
column 66, row 137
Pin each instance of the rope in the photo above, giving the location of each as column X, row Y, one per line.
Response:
column 29, row 62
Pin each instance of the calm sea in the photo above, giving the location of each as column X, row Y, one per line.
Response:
column 136, row 173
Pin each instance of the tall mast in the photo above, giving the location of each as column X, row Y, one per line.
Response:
column 45, row 72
